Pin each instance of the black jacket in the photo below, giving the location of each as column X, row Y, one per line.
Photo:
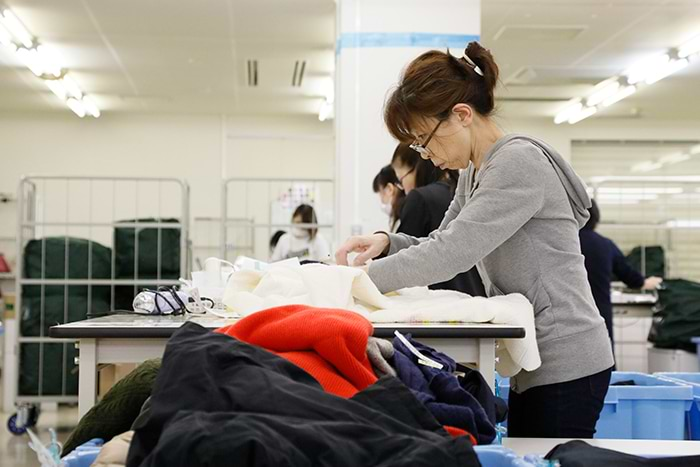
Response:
column 603, row 258
column 421, row 214
column 218, row 402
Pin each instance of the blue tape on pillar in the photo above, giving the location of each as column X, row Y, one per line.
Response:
column 353, row 40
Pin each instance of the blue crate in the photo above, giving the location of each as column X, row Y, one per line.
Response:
column 652, row 409
column 502, row 391
column 693, row 415
column 498, row 456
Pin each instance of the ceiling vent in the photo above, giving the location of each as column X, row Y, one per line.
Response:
column 252, row 73
column 524, row 75
column 298, row 75
column 540, row 33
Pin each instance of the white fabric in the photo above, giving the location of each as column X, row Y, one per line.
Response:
column 290, row 246
column 351, row 289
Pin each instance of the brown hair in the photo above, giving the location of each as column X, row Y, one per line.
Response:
column 308, row 216
column 435, row 82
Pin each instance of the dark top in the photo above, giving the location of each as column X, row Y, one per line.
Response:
column 603, row 258
column 422, row 213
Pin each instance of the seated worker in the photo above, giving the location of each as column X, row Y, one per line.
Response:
column 603, row 259
column 304, row 243
column 429, row 192
column 385, row 184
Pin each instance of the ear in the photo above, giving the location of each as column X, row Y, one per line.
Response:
column 464, row 113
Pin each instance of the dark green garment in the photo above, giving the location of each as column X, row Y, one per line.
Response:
column 48, row 369
column 118, row 409
column 130, row 242
column 654, row 260
column 678, row 318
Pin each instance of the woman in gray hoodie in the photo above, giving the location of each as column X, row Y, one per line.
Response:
column 515, row 216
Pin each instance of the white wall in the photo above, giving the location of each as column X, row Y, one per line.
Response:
column 200, row 149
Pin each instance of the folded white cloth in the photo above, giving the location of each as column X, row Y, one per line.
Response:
column 351, row 289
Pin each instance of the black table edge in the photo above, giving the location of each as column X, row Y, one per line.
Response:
column 163, row 332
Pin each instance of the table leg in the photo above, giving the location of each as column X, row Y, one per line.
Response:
column 487, row 361
column 87, row 367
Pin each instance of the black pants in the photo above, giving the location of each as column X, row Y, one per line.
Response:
column 563, row 410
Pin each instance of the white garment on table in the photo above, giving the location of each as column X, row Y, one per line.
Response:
column 291, row 246
column 351, row 289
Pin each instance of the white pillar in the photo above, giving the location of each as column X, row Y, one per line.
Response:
column 376, row 39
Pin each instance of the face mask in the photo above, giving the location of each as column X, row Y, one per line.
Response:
column 298, row 232
column 386, row 209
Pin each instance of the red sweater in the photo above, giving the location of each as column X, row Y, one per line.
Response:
column 330, row 345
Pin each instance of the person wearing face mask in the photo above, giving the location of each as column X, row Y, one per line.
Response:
column 391, row 197
column 516, row 215
column 429, row 191
column 304, row 242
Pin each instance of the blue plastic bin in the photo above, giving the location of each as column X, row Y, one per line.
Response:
column 84, row 455
column 652, row 409
column 502, row 391
column 498, row 456
column 693, row 415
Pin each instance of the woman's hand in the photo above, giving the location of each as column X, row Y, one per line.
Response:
column 368, row 247
column 652, row 283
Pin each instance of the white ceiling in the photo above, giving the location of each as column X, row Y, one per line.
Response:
column 186, row 56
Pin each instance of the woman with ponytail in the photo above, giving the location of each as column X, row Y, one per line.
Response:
column 516, row 216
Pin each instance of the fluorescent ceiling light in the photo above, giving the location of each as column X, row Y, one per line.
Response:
column 625, row 196
column 617, row 201
column 72, row 87
column 568, row 112
column 689, row 48
column 48, row 60
column 640, row 190
column 57, row 87
column 647, row 178
column 666, row 70
column 619, row 95
column 684, row 223
column 15, row 26
column 76, row 106
column 30, row 58
column 584, row 113
column 5, row 36
column 695, row 149
column 641, row 70
column 674, row 158
column 90, row 107
column 603, row 91
column 326, row 111
column 647, row 166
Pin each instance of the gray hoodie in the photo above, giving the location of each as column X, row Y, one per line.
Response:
column 517, row 219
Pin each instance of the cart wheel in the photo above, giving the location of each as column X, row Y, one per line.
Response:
column 12, row 426
column 33, row 417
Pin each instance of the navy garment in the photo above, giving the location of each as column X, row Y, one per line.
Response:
column 422, row 213
column 441, row 392
column 603, row 258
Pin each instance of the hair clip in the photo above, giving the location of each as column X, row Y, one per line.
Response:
column 471, row 63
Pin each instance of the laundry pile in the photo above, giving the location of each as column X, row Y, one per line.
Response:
column 319, row 285
column 299, row 385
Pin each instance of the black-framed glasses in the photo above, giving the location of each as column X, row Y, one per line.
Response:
column 422, row 148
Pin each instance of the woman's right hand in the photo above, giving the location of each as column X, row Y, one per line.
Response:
column 368, row 247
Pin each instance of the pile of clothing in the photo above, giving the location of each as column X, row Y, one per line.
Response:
column 297, row 385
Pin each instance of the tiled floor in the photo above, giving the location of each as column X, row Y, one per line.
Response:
column 14, row 451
